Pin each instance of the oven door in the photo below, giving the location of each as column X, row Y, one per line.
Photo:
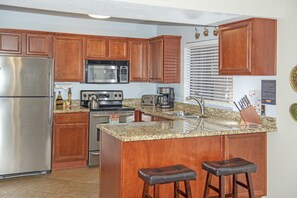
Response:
column 101, row 73
column 94, row 133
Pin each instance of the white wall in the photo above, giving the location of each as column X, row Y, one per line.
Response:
column 19, row 20
column 282, row 146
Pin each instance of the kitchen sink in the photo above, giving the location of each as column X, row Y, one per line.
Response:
column 183, row 114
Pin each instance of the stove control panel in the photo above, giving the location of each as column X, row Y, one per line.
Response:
column 107, row 95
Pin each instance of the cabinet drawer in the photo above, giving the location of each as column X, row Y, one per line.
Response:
column 71, row 118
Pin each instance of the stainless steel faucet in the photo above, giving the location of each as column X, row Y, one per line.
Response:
column 200, row 102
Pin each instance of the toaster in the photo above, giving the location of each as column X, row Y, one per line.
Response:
column 149, row 100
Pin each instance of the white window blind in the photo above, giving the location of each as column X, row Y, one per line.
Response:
column 201, row 74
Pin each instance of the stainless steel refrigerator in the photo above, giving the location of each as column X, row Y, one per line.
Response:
column 26, row 111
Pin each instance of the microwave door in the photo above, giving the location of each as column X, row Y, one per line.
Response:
column 102, row 74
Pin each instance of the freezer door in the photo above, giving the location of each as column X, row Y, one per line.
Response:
column 25, row 76
column 25, row 135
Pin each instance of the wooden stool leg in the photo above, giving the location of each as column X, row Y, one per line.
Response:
column 156, row 190
column 235, row 187
column 207, row 182
column 188, row 189
column 250, row 185
column 145, row 189
column 176, row 187
column 222, row 186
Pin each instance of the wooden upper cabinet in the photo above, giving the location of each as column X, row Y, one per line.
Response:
column 248, row 47
column 164, row 59
column 69, row 60
column 138, row 60
column 119, row 48
column 96, row 48
column 156, row 60
column 39, row 44
column 107, row 48
column 25, row 43
column 10, row 43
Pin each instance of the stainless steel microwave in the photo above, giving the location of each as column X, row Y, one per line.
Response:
column 103, row 71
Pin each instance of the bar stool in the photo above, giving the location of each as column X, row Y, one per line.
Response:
column 163, row 175
column 223, row 168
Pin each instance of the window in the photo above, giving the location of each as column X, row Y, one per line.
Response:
column 201, row 75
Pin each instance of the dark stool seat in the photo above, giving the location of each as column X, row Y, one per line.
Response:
column 233, row 167
column 229, row 167
column 162, row 175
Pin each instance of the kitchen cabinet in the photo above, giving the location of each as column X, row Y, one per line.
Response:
column 39, row 44
column 97, row 47
column 164, row 59
column 118, row 49
column 69, row 58
column 248, row 47
column 70, row 140
column 138, row 60
column 25, row 43
column 11, row 43
column 107, row 48
column 252, row 147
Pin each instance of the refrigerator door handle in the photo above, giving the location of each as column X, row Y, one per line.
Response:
column 50, row 97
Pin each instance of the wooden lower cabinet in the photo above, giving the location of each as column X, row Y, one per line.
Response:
column 70, row 140
column 120, row 161
column 252, row 147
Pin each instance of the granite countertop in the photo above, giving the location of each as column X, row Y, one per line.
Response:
column 75, row 107
column 218, row 122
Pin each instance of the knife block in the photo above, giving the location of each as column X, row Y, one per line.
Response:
column 249, row 116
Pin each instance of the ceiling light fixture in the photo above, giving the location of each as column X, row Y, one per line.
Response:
column 99, row 16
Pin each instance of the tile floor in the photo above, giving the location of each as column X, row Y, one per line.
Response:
column 71, row 183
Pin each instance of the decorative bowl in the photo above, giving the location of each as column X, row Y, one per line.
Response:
column 293, row 78
column 293, row 111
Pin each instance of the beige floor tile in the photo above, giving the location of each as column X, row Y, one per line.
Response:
column 71, row 183
column 25, row 193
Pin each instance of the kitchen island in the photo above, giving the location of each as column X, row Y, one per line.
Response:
column 127, row 147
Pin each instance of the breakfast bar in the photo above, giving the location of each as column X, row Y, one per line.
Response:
column 127, row 147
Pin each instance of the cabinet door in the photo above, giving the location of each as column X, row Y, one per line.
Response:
column 156, row 60
column 171, row 62
column 253, row 148
column 248, row 47
column 39, row 44
column 68, row 54
column 235, row 49
column 118, row 49
column 70, row 142
column 138, row 61
column 97, row 48
column 11, row 43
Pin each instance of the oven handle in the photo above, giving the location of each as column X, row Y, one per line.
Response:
column 98, row 116
column 107, row 115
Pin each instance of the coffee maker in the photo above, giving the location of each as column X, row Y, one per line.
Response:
column 166, row 99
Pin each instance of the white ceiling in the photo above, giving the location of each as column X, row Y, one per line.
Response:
column 120, row 11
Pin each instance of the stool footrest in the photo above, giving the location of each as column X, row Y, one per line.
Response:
column 214, row 188
column 242, row 184
column 182, row 193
